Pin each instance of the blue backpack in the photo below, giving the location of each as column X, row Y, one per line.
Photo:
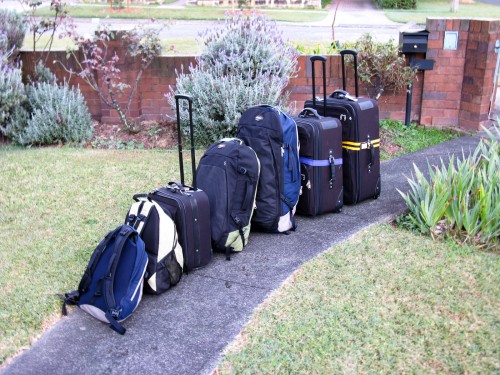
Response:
column 111, row 287
column 273, row 135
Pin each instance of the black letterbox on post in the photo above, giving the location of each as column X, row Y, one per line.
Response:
column 410, row 44
column 414, row 42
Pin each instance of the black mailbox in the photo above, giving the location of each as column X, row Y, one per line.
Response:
column 413, row 42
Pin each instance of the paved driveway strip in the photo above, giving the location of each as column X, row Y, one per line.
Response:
column 184, row 330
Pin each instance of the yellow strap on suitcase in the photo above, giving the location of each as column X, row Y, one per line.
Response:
column 358, row 146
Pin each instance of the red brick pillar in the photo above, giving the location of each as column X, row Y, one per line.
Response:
column 442, row 87
column 457, row 91
column 479, row 73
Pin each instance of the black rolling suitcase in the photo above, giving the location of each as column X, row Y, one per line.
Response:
column 189, row 206
column 320, row 163
column 360, row 134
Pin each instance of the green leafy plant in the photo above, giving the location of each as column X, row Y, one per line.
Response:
column 460, row 200
column 50, row 114
column 116, row 144
column 398, row 4
column 381, row 67
column 245, row 62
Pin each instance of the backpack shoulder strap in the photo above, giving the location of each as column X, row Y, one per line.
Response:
column 139, row 214
column 125, row 232
column 72, row 298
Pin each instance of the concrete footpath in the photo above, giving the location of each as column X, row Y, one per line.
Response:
column 185, row 330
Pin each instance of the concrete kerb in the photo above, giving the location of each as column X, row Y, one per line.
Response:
column 186, row 329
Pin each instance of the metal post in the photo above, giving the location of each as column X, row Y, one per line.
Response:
column 408, row 97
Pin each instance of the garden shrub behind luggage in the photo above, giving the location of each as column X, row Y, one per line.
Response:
column 50, row 114
column 245, row 62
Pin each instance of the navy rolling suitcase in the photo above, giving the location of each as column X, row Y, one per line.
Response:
column 189, row 206
column 320, row 163
column 360, row 134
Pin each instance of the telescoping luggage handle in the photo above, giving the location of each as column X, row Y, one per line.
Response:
column 178, row 97
column 354, row 54
column 323, row 63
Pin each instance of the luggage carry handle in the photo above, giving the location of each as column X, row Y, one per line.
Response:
column 323, row 62
column 342, row 94
column 178, row 97
column 354, row 54
column 309, row 112
column 177, row 185
column 136, row 197
column 232, row 139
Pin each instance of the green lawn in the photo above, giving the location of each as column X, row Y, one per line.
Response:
column 385, row 301
column 405, row 139
column 188, row 13
column 433, row 8
column 56, row 204
column 44, row 246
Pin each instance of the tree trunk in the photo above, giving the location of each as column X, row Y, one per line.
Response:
column 454, row 6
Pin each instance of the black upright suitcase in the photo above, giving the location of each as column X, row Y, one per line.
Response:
column 360, row 134
column 320, row 163
column 189, row 206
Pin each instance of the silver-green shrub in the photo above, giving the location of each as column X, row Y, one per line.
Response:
column 13, row 29
column 462, row 199
column 12, row 93
column 245, row 62
column 53, row 114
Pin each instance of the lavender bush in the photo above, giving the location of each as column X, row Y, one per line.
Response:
column 50, row 114
column 12, row 32
column 245, row 62
column 11, row 93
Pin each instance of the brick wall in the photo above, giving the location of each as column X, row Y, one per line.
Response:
column 455, row 93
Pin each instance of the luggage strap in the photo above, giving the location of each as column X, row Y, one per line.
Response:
column 368, row 145
column 239, row 223
column 321, row 163
column 330, row 162
column 112, row 314
column 358, row 146
column 73, row 297
column 139, row 214
column 290, row 206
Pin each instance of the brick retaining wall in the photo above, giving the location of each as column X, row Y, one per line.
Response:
column 456, row 92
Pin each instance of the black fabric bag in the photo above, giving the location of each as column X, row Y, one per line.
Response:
column 159, row 233
column 272, row 134
column 228, row 173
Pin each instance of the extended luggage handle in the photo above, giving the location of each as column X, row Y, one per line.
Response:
column 354, row 54
column 323, row 63
column 178, row 97
column 309, row 112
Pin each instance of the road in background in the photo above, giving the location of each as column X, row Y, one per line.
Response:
column 353, row 18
